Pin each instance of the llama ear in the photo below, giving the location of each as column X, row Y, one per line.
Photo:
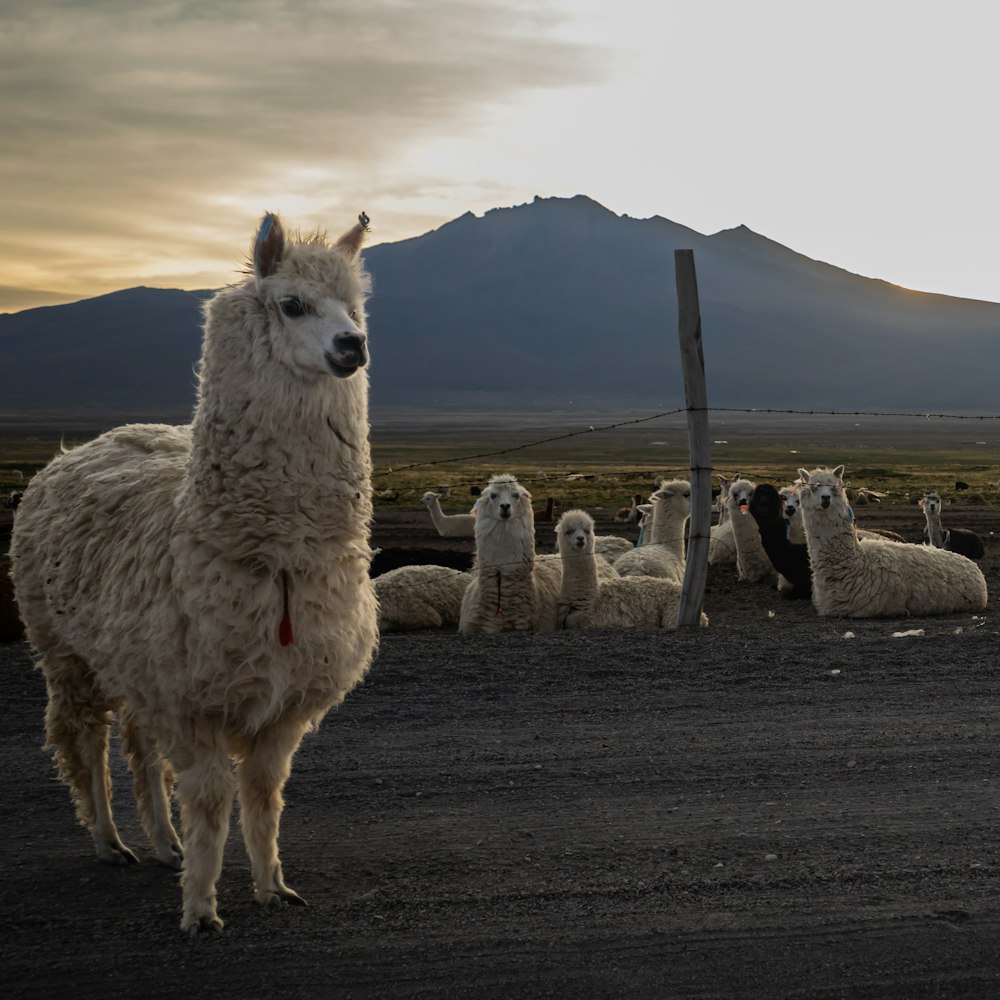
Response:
column 268, row 246
column 804, row 475
column 351, row 241
column 839, row 472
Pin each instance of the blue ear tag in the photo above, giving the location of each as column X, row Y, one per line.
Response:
column 265, row 228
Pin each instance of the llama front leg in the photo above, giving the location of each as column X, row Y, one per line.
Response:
column 262, row 775
column 205, row 788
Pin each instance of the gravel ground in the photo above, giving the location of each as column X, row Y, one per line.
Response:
column 760, row 809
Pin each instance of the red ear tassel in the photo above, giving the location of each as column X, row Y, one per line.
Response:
column 285, row 628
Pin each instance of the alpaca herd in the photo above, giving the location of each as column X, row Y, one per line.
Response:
column 210, row 584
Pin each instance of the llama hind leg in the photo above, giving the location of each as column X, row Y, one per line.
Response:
column 77, row 724
column 262, row 775
column 205, row 788
column 153, row 780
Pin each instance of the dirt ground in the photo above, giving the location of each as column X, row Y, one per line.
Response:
column 761, row 809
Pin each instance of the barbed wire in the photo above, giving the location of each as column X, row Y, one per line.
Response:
column 591, row 429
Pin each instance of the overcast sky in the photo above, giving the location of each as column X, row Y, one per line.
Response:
column 142, row 141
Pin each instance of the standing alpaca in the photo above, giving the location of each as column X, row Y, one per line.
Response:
column 510, row 589
column 664, row 554
column 210, row 582
column 588, row 601
column 448, row 525
column 961, row 540
column 874, row 577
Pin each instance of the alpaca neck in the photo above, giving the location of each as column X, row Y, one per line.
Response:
column 935, row 533
column 668, row 530
column 831, row 538
column 280, row 464
column 579, row 578
column 507, row 546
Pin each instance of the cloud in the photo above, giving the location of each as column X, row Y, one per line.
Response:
column 134, row 124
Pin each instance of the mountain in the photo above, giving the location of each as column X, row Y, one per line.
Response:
column 557, row 304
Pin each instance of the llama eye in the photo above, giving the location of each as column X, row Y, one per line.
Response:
column 493, row 496
column 353, row 314
column 293, row 307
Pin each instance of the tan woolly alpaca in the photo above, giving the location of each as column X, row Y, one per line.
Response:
column 209, row 583
column 587, row 601
column 510, row 588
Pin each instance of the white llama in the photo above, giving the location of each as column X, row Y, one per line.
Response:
column 875, row 577
column 664, row 554
column 790, row 512
column 209, row 583
column 448, row 525
column 752, row 563
column 588, row 601
column 510, row 589
column 721, row 543
column 419, row 596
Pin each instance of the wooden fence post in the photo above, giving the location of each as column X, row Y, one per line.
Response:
column 696, row 397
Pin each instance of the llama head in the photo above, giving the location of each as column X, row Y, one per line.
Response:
column 766, row 505
column 429, row 499
column 504, row 500
column 312, row 294
column 738, row 496
column 931, row 503
column 790, row 501
column 822, row 490
column 675, row 494
column 575, row 533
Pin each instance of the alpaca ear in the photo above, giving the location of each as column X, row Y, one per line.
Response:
column 804, row 475
column 351, row 241
column 839, row 473
column 268, row 246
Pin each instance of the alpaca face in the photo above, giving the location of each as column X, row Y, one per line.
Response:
column 503, row 500
column 931, row 503
column 790, row 502
column 822, row 490
column 313, row 298
column 575, row 533
column 740, row 492
column 766, row 505
column 676, row 494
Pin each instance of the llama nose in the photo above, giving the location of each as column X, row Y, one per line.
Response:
column 352, row 345
column 824, row 502
column 505, row 510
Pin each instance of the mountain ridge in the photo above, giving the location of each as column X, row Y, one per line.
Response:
column 544, row 305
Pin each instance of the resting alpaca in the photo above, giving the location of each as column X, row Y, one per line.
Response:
column 510, row 589
column 419, row 596
column 961, row 540
column 789, row 559
column 790, row 508
column 210, row 582
column 752, row 563
column 586, row 601
column 871, row 578
column 664, row 555
column 722, row 544
column 448, row 525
